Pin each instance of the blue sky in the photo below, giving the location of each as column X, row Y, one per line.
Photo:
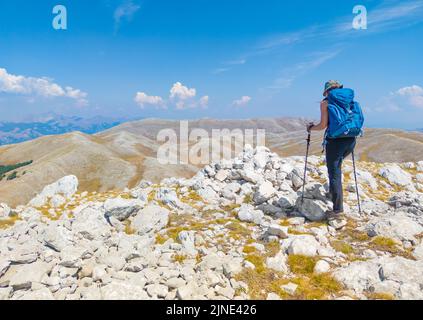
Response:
column 203, row 58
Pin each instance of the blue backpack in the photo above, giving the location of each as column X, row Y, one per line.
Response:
column 345, row 115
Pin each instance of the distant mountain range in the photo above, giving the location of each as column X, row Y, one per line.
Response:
column 52, row 124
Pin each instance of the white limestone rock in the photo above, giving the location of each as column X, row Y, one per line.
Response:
column 67, row 187
column 264, row 192
column 150, row 219
column 247, row 213
column 395, row 175
column 321, row 266
column 122, row 209
column 305, row 245
column 313, row 210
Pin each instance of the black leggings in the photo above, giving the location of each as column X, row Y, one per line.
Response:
column 336, row 151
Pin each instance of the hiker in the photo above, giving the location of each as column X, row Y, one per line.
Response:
column 343, row 120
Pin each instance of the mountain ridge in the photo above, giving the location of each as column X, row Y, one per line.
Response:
column 126, row 154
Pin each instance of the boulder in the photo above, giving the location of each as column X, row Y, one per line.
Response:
column 316, row 191
column 71, row 257
column 313, row 210
column 365, row 178
column 264, row 192
column 296, row 177
column 175, row 283
column 122, row 209
column 91, row 224
column 232, row 267
column 321, row 266
column 270, row 209
column 359, row 276
column 287, row 201
column 150, row 219
column 395, row 175
column 399, row 276
column 247, row 214
column 279, row 231
column 249, row 175
column 278, row 262
column 57, row 237
column 67, row 187
column 115, row 261
column 304, row 245
column 24, row 254
column 25, row 275
column 398, row 227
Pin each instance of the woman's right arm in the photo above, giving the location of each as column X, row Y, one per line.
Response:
column 324, row 117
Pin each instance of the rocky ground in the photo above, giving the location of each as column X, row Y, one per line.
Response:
column 237, row 230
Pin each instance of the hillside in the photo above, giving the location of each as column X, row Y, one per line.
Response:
column 126, row 154
column 236, row 230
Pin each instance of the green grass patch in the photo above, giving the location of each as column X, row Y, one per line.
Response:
column 258, row 261
column 300, row 264
column 342, row 246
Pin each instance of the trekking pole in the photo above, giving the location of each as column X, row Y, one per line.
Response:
column 305, row 166
column 356, row 184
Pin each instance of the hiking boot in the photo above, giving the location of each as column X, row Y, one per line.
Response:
column 336, row 220
column 334, row 215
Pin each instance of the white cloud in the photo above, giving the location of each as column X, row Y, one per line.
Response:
column 384, row 18
column 43, row 87
column 402, row 100
column 290, row 74
column 142, row 99
column 413, row 95
column 413, row 90
column 180, row 97
column 241, row 102
column 390, row 15
column 125, row 11
column 204, row 102
column 179, row 91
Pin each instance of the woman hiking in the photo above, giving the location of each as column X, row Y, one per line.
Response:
column 343, row 120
